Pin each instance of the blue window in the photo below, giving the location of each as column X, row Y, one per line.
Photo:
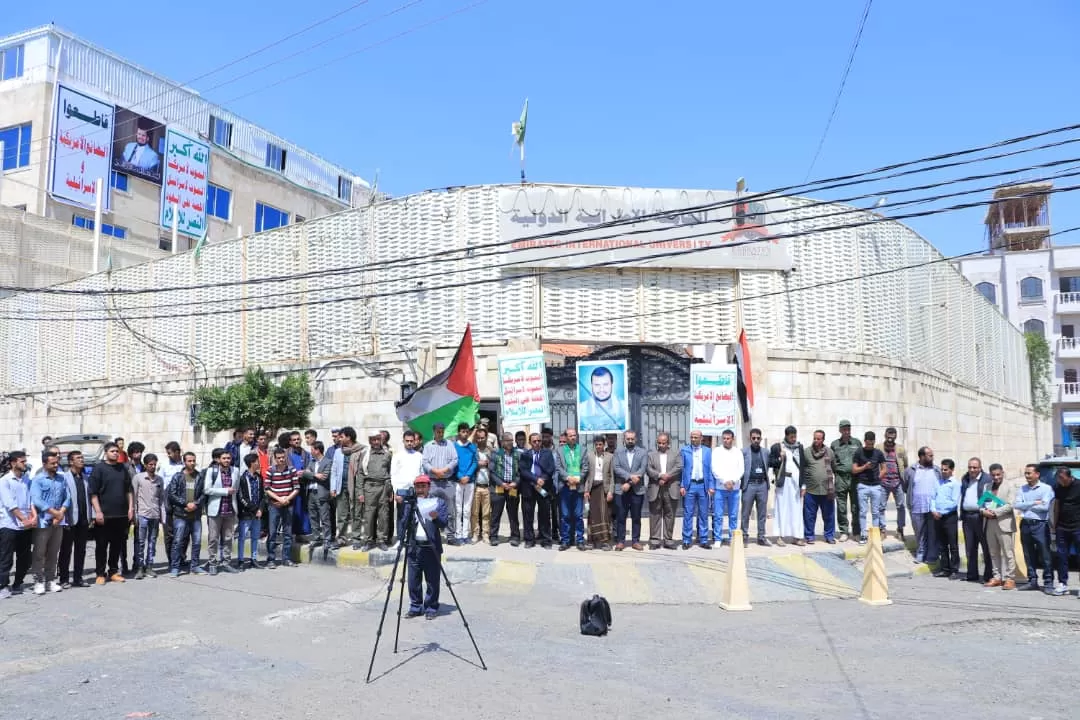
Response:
column 268, row 218
column 16, row 146
column 106, row 229
column 119, row 181
column 220, row 132
column 218, row 202
column 11, row 62
column 344, row 189
column 988, row 291
column 275, row 157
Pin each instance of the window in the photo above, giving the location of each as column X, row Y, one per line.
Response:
column 1069, row 284
column 1070, row 376
column 1031, row 289
column 220, row 132
column 268, row 218
column 165, row 244
column 88, row 224
column 275, row 157
column 218, row 202
column 16, row 142
column 119, row 181
column 988, row 291
column 297, row 219
column 11, row 62
column 1035, row 326
column 344, row 189
column 1068, row 331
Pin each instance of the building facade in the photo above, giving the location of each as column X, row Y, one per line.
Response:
column 72, row 114
column 1037, row 286
column 848, row 316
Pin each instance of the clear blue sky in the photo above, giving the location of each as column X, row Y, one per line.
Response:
column 684, row 93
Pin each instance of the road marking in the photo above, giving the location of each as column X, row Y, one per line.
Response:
column 30, row 665
column 712, row 578
column 816, row 578
column 509, row 576
column 622, row 583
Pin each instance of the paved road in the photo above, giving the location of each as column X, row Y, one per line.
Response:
column 295, row 643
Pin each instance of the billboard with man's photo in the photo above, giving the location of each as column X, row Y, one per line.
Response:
column 138, row 145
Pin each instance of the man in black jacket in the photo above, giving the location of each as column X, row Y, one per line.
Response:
column 185, row 496
column 111, row 497
column 537, row 468
column 972, row 486
column 249, row 512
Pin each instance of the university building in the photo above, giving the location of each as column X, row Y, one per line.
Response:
column 73, row 114
column 848, row 315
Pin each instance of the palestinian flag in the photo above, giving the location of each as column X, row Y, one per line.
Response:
column 741, row 358
column 450, row 397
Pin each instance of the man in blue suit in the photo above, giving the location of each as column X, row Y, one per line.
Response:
column 425, row 555
column 537, row 469
column 697, row 491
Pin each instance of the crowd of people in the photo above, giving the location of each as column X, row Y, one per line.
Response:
column 552, row 493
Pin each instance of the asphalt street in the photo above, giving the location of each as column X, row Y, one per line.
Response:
column 295, row 643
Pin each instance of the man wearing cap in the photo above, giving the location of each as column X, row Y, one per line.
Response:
column 843, row 452
column 440, row 464
column 375, row 491
column 425, row 552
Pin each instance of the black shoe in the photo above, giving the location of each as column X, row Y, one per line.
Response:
column 725, row 543
column 654, row 546
column 563, row 546
column 686, row 546
column 606, row 547
column 413, row 614
column 383, row 546
column 956, row 576
column 494, row 543
column 256, row 565
column 289, row 563
column 228, row 567
column 706, row 546
column 529, row 545
column 546, row 546
column 941, row 573
column 213, row 570
column 514, row 543
column 671, row 545
column 764, row 542
column 581, row 547
column 900, row 534
column 453, row 542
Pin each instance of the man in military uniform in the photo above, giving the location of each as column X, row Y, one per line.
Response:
column 843, row 451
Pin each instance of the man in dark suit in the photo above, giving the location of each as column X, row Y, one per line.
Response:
column 664, row 470
column 629, row 467
column 425, row 554
column 972, row 486
column 537, row 468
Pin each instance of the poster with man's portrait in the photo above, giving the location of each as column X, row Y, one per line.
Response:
column 138, row 145
column 602, row 402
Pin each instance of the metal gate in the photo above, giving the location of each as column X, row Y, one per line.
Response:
column 659, row 392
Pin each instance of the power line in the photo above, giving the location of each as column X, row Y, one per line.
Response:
column 484, row 281
column 826, row 184
column 843, row 82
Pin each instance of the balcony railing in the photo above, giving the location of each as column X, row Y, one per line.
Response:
column 1069, row 392
column 1068, row 302
column 1069, row 347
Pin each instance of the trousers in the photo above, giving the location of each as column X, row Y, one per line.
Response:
column 423, row 561
column 318, row 513
column 725, row 505
column 462, row 508
column 975, row 538
column 847, row 496
column 445, row 489
column 109, row 542
column 185, row 530
column 811, row 504
column 1035, row 539
column 695, row 505
column 343, row 511
column 662, row 517
column 872, row 501
column 1002, row 551
column 755, row 496
column 481, row 513
column 536, row 507
column 897, row 494
column 146, row 532
column 948, row 546
column 248, row 529
column 281, row 525
column 571, row 507
column 46, row 551
column 221, row 529
column 509, row 502
column 73, row 552
column 14, row 549
column 628, row 505
column 378, row 496
column 926, row 547
column 1065, row 538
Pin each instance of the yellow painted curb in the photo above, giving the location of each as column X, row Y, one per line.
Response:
column 510, row 576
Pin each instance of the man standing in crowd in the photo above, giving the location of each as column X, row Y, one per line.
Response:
column 547, row 442
column 440, row 464
column 281, row 486
column 922, row 480
column 788, row 461
column 664, row 470
column 49, row 495
column 424, row 557
column 537, row 468
column 1066, row 523
column 1000, row 528
column 247, row 446
column 972, row 487
column 17, row 522
column 377, row 495
column 406, row 467
column 819, row 490
column 755, row 488
column 481, row 509
column 77, row 532
column 506, row 477
column 598, row 476
column 568, row 460
column 463, row 487
column 847, row 494
column 629, row 470
column 184, row 495
column 222, row 480
column 1033, row 501
column 249, row 510
column 697, row 491
column 344, row 469
column 318, row 477
column 148, row 490
column 111, row 495
column 727, row 471
column 299, row 459
column 896, row 465
column 174, row 463
column 867, row 466
column 944, row 508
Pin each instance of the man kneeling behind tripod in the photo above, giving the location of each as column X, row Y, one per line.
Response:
column 423, row 546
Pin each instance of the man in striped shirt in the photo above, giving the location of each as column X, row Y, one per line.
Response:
column 282, row 485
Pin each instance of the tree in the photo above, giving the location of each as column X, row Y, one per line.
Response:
column 1038, row 352
column 256, row 401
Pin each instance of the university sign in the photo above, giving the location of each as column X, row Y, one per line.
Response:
column 569, row 226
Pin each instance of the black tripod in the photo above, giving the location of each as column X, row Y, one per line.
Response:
column 411, row 516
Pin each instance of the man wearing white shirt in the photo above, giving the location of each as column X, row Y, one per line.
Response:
column 727, row 469
column 405, row 467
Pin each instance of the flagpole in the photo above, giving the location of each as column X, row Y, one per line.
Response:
column 522, row 163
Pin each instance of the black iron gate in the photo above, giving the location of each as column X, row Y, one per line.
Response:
column 658, row 385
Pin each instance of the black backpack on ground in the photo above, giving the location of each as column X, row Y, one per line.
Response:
column 595, row 616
